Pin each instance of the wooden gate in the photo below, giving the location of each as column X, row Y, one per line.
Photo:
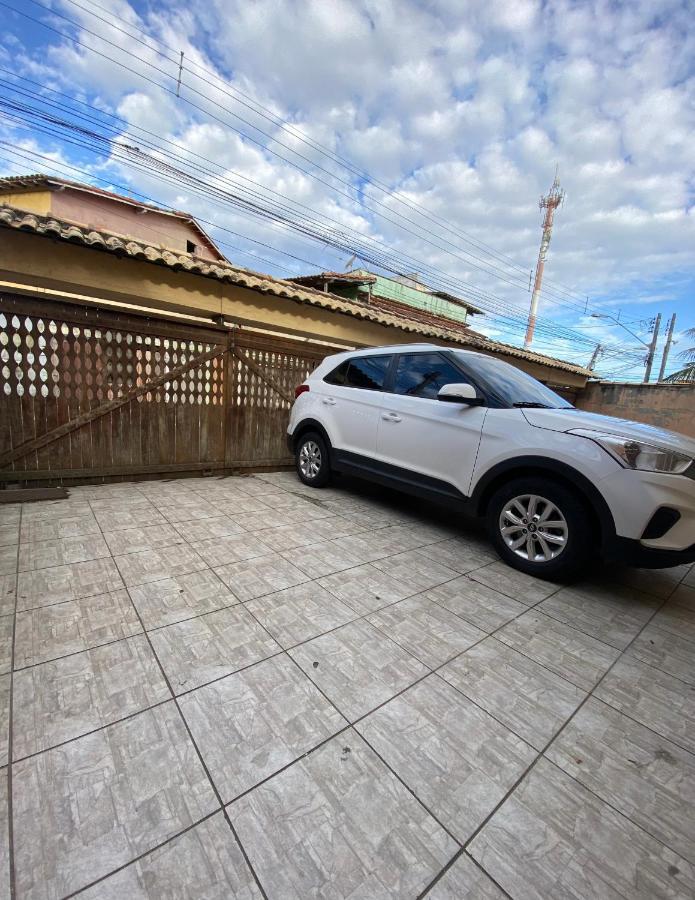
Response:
column 87, row 393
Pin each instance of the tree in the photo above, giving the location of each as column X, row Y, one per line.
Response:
column 687, row 373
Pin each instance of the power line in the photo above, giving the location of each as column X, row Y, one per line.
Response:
column 485, row 267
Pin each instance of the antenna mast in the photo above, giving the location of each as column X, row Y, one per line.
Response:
column 549, row 203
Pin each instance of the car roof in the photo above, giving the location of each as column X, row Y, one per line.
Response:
column 400, row 348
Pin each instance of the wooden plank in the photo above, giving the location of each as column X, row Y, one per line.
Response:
column 109, row 406
column 271, row 382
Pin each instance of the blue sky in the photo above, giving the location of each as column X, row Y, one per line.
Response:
column 457, row 111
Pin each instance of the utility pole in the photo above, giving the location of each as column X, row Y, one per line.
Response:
column 667, row 347
column 549, row 203
column 652, row 349
column 594, row 357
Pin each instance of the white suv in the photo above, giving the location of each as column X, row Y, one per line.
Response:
column 554, row 483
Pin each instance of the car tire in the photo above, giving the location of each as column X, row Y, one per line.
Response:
column 540, row 527
column 312, row 460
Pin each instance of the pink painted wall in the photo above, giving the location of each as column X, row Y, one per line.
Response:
column 104, row 214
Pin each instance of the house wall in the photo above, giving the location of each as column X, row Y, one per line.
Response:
column 38, row 202
column 666, row 405
column 104, row 214
column 394, row 290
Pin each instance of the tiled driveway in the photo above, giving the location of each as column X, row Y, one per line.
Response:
column 234, row 688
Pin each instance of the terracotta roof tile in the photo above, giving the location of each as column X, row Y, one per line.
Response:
column 403, row 317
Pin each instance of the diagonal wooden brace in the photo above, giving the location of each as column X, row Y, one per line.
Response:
column 49, row 436
column 247, row 361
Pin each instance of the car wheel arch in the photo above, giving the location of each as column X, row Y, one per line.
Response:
column 307, row 425
column 555, row 470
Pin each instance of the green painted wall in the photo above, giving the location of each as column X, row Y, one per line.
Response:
column 394, row 290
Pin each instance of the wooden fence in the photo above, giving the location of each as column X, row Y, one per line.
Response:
column 87, row 393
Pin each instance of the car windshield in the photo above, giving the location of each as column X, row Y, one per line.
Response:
column 513, row 386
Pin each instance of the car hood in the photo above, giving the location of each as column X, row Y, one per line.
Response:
column 569, row 419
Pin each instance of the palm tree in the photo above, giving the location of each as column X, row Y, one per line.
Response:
column 687, row 373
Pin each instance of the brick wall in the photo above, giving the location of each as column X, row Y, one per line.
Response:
column 666, row 405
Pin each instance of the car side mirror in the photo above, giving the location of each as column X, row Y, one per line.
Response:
column 460, row 393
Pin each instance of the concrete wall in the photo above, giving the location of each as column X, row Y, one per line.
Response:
column 666, row 405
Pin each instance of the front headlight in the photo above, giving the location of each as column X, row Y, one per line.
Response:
column 636, row 455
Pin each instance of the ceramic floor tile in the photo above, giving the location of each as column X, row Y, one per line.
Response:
column 205, row 862
column 458, row 760
column 641, row 774
column 476, row 603
column 224, row 550
column 368, row 546
column 431, row 633
column 8, row 560
column 237, row 506
column 57, row 528
column 658, row 582
column 658, row 700
column 8, row 594
column 358, row 667
column 58, row 701
column 5, row 643
column 414, row 567
column 572, row 654
column 9, row 535
column 517, row 585
column 5, row 888
column 323, row 558
column 10, row 513
column 299, row 613
column 250, row 725
column 155, row 565
column 46, row 554
column 261, row 575
column 50, row 632
column 172, row 600
column 115, row 519
column 88, row 807
column 73, row 582
column 460, row 554
column 684, row 595
column 465, row 881
column 265, row 520
column 676, row 619
column 133, row 540
column 366, row 588
column 666, row 651
column 610, row 613
column 554, row 840
column 339, row 824
column 188, row 511
column 205, row 529
column 517, row 691
column 199, row 650
column 4, row 718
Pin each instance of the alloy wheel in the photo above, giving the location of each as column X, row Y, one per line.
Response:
column 533, row 527
column 310, row 459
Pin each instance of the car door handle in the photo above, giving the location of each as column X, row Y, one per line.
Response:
column 391, row 417
column 329, row 401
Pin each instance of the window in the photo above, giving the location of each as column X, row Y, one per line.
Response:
column 368, row 372
column 190, row 247
column 337, row 376
column 513, row 386
column 423, row 374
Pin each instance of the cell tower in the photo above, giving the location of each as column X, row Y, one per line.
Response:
column 549, row 203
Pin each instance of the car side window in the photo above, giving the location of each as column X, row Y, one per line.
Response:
column 337, row 376
column 424, row 374
column 367, row 372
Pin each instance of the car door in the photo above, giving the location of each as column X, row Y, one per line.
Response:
column 351, row 398
column 419, row 433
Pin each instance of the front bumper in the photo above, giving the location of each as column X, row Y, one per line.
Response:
column 632, row 552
